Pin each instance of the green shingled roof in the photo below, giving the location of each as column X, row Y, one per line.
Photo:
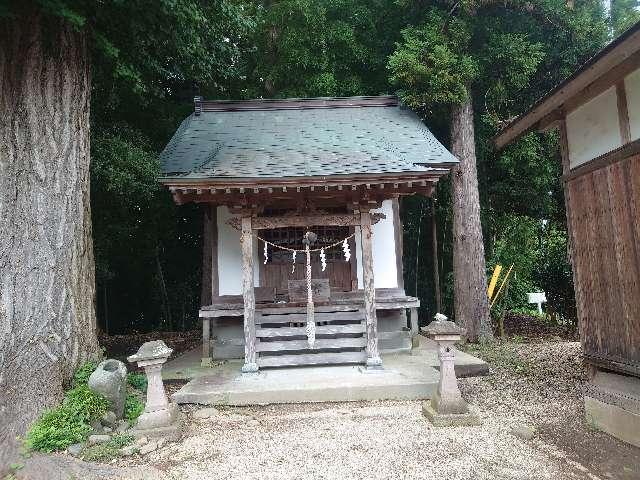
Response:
column 311, row 137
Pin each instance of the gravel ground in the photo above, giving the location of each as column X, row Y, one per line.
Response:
column 537, row 385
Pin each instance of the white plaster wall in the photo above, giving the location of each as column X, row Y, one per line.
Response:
column 593, row 128
column 385, row 272
column 230, row 257
column 632, row 87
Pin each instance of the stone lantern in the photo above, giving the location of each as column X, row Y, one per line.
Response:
column 160, row 418
column 447, row 407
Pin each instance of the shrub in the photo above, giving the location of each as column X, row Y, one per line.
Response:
column 85, row 403
column 69, row 423
column 56, row 430
column 137, row 381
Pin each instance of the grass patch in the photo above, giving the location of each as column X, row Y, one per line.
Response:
column 107, row 451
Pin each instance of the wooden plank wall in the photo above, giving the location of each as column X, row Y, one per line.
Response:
column 604, row 216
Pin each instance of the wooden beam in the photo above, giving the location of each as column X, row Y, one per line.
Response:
column 246, row 242
column 550, row 121
column 304, row 182
column 373, row 357
column 621, row 153
column 603, row 83
column 311, row 359
column 293, row 199
column 608, row 63
column 623, row 112
column 398, row 239
column 342, row 220
column 566, row 166
column 215, row 281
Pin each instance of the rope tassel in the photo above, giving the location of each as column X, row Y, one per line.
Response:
column 311, row 324
column 346, row 250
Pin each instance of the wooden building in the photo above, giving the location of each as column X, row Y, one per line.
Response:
column 597, row 113
column 268, row 172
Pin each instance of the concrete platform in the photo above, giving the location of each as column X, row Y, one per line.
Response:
column 406, row 376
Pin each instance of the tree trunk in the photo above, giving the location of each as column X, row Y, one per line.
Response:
column 469, row 271
column 47, row 274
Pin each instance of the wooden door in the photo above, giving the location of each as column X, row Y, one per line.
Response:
column 279, row 268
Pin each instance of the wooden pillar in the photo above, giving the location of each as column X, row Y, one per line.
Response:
column 373, row 357
column 436, row 264
column 246, row 241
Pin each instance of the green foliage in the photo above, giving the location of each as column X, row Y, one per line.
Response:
column 431, row 66
column 107, row 451
column 147, row 251
column 148, row 63
column 69, row 423
column 55, row 430
column 320, row 48
column 137, row 380
column 623, row 14
column 82, row 374
column 133, row 408
column 82, row 402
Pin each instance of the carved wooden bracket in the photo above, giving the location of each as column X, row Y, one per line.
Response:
column 340, row 220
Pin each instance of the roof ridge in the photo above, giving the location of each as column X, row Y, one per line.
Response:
column 201, row 105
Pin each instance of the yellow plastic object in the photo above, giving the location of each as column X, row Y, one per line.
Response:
column 504, row 281
column 494, row 280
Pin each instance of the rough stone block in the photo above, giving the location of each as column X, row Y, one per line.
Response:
column 109, row 379
column 109, row 419
column 96, row 439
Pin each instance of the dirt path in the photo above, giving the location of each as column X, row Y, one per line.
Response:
column 531, row 384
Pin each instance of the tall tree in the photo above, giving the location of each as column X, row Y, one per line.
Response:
column 464, row 57
column 321, row 47
column 434, row 68
column 47, row 287
column 623, row 14
column 47, row 49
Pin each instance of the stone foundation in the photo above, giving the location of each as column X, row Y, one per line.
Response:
column 612, row 404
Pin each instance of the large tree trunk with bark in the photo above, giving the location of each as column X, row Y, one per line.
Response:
column 471, row 303
column 47, row 277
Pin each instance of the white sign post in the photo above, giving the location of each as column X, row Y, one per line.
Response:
column 538, row 298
